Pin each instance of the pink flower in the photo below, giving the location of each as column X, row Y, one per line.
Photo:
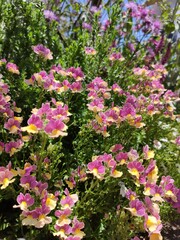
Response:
column 117, row 89
column 121, row 158
column 13, row 147
column 76, row 73
column 49, row 200
column 50, row 15
column 115, row 173
column 62, row 231
column 63, row 217
column 76, row 228
column 42, row 51
column 40, row 188
column 177, row 141
column 130, row 195
column 170, row 192
column 137, row 208
column 127, row 111
column 6, row 177
column 35, row 124
column 55, row 128
column 76, row 87
column 98, row 85
column 2, row 61
column 151, row 207
column 69, row 200
column 4, row 88
column 135, row 168
column 73, row 238
column 151, row 172
column 133, row 155
column 87, row 26
column 135, row 238
column 12, row 125
column 116, row 56
column 116, row 148
column 148, row 154
column 96, row 168
column 24, row 201
column 37, row 217
column 28, row 182
column 111, row 116
column 60, row 113
column 152, row 224
column 12, row 67
column 96, row 105
column 90, row 51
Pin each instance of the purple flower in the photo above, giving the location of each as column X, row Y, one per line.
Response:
column 34, row 124
column 87, row 26
column 13, row 68
column 55, row 128
column 135, row 168
column 42, row 51
column 137, row 208
column 96, row 168
column 50, row 15
column 24, row 201
column 121, row 157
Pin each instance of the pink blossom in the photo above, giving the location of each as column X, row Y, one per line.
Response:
column 121, row 157
column 87, row 26
column 76, row 73
column 13, row 147
column 76, row 228
column 4, row 88
column 50, row 15
column 13, row 68
column 24, row 201
column 135, row 168
column 76, row 87
column 6, row 177
column 90, row 51
column 116, row 148
column 55, row 128
column 12, row 125
column 35, row 124
column 62, row 231
column 116, row 56
column 177, row 141
column 148, row 154
column 96, row 168
column 63, row 216
column 28, row 182
column 37, row 217
column 96, row 105
column 127, row 111
column 137, row 208
column 130, row 195
column 133, row 155
column 117, row 89
column 42, row 51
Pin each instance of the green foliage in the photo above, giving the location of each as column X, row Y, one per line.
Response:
column 58, row 161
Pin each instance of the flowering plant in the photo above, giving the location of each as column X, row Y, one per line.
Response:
column 89, row 132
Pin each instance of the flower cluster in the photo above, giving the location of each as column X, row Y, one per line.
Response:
column 50, row 120
column 65, row 227
column 144, row 173
column 49, row 83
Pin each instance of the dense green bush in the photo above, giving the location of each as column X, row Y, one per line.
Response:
column 89, row 131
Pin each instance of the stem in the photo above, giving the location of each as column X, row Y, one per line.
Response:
column 39, row 163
